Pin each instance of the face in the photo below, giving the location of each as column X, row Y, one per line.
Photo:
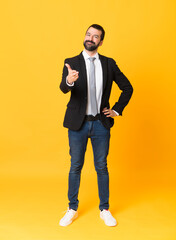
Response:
column 92, row 39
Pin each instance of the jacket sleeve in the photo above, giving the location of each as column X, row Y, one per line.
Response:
column 124, row 85
column 63, row 85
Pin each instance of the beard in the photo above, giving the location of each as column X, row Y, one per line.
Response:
column 90, row 47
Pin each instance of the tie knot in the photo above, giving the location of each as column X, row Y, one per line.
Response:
column 92, row 59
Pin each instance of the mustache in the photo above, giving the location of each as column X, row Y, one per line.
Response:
column 87, row 41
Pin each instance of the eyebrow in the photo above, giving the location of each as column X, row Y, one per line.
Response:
column 93, row 35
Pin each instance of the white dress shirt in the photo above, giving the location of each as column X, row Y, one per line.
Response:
column 98, row 79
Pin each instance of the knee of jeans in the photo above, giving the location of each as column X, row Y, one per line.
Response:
column 101, row 170
column 76, row 169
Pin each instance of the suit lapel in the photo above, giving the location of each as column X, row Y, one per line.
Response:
column 104, row 69
column 83, row 71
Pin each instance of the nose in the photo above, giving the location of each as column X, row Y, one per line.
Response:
column 90, row 38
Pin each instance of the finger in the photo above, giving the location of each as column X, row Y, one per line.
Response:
column 74, row 78
column 74, row 71
column 68, row 67
column 109, row 115
column 106, row 113
column 104, row 109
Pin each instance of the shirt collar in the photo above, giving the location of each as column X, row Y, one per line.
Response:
column 86, row 56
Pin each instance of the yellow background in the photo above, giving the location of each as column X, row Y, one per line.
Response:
column 36, row 37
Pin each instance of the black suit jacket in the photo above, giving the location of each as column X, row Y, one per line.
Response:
column 76, row 107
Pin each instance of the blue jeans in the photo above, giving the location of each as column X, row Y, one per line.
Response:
column 99, row 136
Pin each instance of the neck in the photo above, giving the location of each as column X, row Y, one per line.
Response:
column 91, row 53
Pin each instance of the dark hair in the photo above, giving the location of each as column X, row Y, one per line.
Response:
column 98, row 27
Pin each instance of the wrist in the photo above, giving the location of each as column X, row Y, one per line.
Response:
column 69, row 83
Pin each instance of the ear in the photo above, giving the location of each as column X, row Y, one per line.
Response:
column 101, row 43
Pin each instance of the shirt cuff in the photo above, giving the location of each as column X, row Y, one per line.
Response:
column 70, row 85
column 116, row 112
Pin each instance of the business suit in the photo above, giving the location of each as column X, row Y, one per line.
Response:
column 98, row 131
column 76, row 108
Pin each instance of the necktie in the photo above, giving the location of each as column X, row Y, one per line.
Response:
column 93, row 100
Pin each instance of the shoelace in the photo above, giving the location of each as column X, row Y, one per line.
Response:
column 68, row 212
column 108, row 214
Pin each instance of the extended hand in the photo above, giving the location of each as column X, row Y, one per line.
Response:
column 72, row 74
column 109, row 112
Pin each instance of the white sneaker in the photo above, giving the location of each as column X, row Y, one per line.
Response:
column 68, row 217
column 108, row 218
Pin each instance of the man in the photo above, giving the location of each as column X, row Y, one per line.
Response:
column 89, row 77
